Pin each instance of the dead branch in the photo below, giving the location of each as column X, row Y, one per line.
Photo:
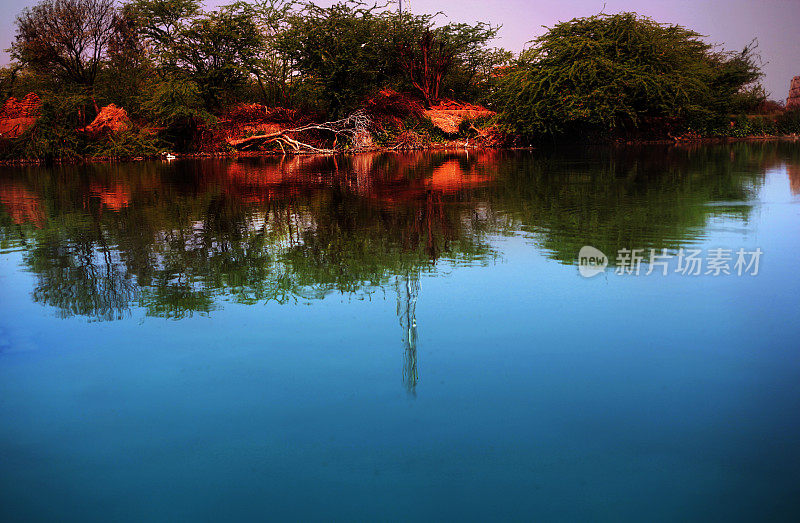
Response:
column 353, row 126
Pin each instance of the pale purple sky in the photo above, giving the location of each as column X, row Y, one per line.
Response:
column 732, row 23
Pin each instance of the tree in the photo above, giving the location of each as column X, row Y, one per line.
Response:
column 353, row 49
column 176, row 103
column 609, row 73
column 345, row 49
column 428, row 54
column 218, row 50
column 68, row 38
column 734, row 84
column 272, row 68
column 160, row 22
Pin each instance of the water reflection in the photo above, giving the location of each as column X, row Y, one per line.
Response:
column 179, row 239
column 407, row 286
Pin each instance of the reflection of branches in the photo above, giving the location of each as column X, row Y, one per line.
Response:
column 407, row 291
column 427, row 221
column 253, row 232
column 80, row 281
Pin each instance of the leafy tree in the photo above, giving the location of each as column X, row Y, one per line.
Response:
column 8, row 77
column 176, row 103
column 54, row 137
column 128, row 68
column 476, row 78
column 272, row 67
column 733, row 85
column 218, row 50
column 345, row 49
column 428, row 54
column 611, row 72
column 68, row 38
column 160, row 23
column 352, row 50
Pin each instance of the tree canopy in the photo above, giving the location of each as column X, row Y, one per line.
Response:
column 610, row 72
column 67, row 38
column 351, row 50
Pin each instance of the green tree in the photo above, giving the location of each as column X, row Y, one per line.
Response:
column 609, row 73
column 218, row 50
column 272, row 67
column 176, row 103
column 160, row 23
column 345, row 49
column 350, row 50
column 428, row 55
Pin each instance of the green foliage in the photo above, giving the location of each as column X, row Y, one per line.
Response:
column 177, row 104
column 53, row 137
column 607, row 73
column 218, row 50
column 160, row 22
column 173, row 64
column 174, row 102
column 351, row 50
column 428, row 55
column 126, row 145
column 8, row 78
column 343, row 48
column 128, row 69
column 272, row 67
column 476, row 78
column 789, row 122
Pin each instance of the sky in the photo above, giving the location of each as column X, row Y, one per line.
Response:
column 731, row 23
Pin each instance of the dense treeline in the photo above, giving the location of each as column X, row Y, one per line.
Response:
column 176, row 67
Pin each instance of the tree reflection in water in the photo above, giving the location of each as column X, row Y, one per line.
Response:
column 407, row 286
column 179, row 239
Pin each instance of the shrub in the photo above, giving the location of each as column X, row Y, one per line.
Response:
column 607, row 73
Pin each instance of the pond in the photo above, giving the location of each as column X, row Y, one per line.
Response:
column 404, row 336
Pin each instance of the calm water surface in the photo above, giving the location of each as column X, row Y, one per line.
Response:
column 400, row 337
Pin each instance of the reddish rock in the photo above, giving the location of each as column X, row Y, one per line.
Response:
column 794, row 94
column 17, row 116
column 110, row 120
column 448, row 115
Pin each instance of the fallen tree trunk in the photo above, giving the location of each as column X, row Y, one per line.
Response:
column 352, row 126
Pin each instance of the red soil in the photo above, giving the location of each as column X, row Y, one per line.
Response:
column 110, row 120
column 17, row 116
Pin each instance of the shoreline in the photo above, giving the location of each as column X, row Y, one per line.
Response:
column 432, row 148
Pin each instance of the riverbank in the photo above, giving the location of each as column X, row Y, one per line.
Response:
column 452, row 146
column 448, row 147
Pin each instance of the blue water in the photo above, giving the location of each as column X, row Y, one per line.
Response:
column 434, row 353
